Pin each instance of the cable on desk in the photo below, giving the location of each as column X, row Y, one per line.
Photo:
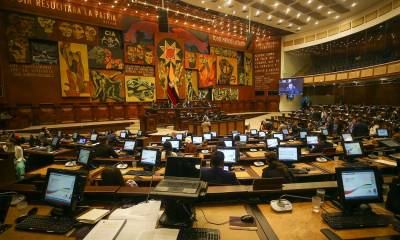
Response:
column 213, row 223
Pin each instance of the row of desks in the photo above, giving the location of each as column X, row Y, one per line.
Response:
column 300, row 224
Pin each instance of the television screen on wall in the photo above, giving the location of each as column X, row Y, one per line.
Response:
column 291, row 86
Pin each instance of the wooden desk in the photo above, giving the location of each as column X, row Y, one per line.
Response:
column 304, row 224
column 36, row 151
column 43, row 171
column 221, row 213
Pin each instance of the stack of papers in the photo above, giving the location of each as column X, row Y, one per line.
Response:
column 105, row 230
column 93, row 216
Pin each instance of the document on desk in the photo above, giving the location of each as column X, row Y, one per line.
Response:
column 140, row 218
column 159, row 233
column 105, row 230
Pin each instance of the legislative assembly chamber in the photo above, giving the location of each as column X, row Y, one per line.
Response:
column 199, row 119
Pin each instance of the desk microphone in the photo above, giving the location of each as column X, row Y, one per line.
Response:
column 151, row 182
column 284, row 205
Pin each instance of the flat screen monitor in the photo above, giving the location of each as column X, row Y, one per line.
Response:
column 288, row 154
column 84, row 156
column 272, row 143
column 129, row 145
column 185, row 167
column 176, row 144
column 75, row 135
column 312, row 140
column 93, row 137
column 55, row 141
column 60, row 188
column 352, row 149
column 82, row 141
column 228, row 143
column 165, row 138
column 347, row 137
column 325, row 132
column 122, row 135
column 359, row 185
column 278, row 135
column 231, row 155
column 5, row 202
column 197, row 139
column 234, row 134
column 139, row 133
column 243, row 138
column 59, row 134
column 214, row 134
column 262, row 134
column 253, row 131
column 207, row 136
column 150, row 156
column 285, row 131
column 382, row 132
column 291, row 86
column 303, row 135
column 179, row 136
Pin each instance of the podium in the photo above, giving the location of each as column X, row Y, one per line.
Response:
column 148, row 123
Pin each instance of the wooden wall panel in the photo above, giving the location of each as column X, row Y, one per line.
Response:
column 131, row 111
column 85, row 113
column 46, row 114
column 118, row 112
column 66, row 113
column 101, row 112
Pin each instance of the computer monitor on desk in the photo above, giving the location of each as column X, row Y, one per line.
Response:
column 176, row 144
column 243, row 138
column 165, row 138
column 347, row 137
column 352, row 150
column 179, row 136
column 253, row 132
column 324, row 132
column 262, row 134
column 197, row 140
column 82, row 140
column 123, row 134
column 149, row 158
column 228, row 143
column 64, row 189
column 55, row 142
column 207, row 136
column 278, row 135
column 214, row 134
column 312, row 140
column 285, row 131
column 382, row 132
column 231, row 155
column 93, row 137
column 303, row 135
column 272, row 143
column 288, row 154
column 129, row 146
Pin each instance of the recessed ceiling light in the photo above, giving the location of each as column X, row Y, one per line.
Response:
column 329, row 12
column 316, row 23
column 287, row 10
column 319, row 7
column 353, row 4
column 234, row 12
column 206, row 9
column 308, row 19
column 219, row 7
column 269, row 17
column 309, row 1
column 337, row 17
column 298, row 28
column 202, row 2
column 298, row 15
column 280, row 21
column 290, row 24
column 276, row 4
column 257, row 13
column 244, row 7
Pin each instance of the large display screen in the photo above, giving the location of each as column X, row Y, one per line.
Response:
column 291, row 86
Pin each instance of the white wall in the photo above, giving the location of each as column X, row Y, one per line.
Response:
column 293, row 105
column 291, row 64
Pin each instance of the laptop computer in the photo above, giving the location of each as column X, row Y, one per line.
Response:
column 182, row 178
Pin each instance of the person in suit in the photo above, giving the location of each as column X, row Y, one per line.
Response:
column 360, row 129
column 104, row 149
column 276, row 169
column 335, row 127
column 323, row 144
column 216, row 174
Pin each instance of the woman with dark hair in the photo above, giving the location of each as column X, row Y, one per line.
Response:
column 167, row 150
column 112, row 176
column 276, row 169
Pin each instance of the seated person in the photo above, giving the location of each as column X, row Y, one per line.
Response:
column 206, row 126
column 323, row 144
column 216, row 173
column 396, row 133
column 19, row 163
column 275, row 168
column 360, row 129
column 167, row 150
column 104, row 149
column 335, row 127
column 112, row 176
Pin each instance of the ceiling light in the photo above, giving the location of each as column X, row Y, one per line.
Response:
column 280, row 21
column 309, row 1
column 329, row 12
column 319, row 7
column 298, row 15
column 269, row 17
column 202, row 2
column 337, row 17
column 219, row 7
column 298, row 28
column 257, row 13
column 244, row 7
column 353, row 4
column 234, row 12
column 290, row 24
column 287, row 10
column 276, row 4
column 316, row 23
column 206, row 9
column 308, row 19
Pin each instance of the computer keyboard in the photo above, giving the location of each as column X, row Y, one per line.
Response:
column 199, row 234
column 139, row 173
column 178, row 185
column 47, row 224
column 340, row 221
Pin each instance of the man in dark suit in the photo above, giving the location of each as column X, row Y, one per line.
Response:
column 360, row 129
column 216, row 174
column 103, row 149
column 335, row 127
column 276, row 169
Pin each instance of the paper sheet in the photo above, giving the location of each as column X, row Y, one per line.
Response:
column 159, row 233
column 105, row 230
column 140, row 218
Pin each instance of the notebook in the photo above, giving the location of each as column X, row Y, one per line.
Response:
column 93, row 216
